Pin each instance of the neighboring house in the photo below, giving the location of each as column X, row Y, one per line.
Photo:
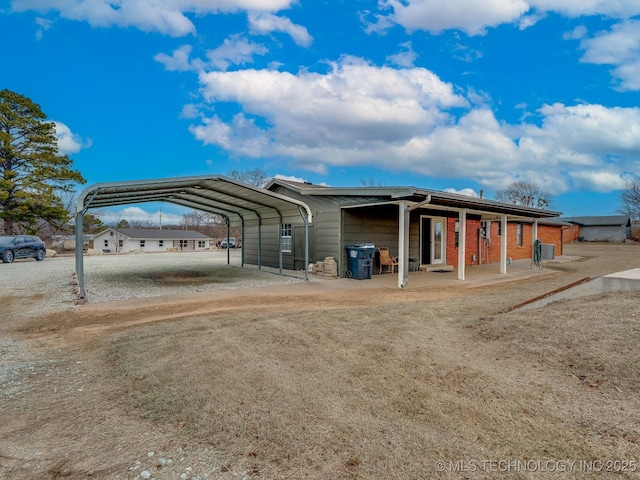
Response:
column 607, row 228
column 427, row 222
column 122, row 240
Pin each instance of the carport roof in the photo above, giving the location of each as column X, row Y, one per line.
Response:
column 237, row 201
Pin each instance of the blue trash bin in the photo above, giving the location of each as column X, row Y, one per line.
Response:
column 360, row 260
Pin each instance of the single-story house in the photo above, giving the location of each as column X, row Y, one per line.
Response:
column 425, row 226
column 123, row 240
column 605, row 228
column 292, row 225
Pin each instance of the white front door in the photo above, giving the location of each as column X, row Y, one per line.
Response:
column 433, row 231
column 438, row 233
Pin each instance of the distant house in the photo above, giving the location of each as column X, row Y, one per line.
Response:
column 122, row 240
column 606, row 228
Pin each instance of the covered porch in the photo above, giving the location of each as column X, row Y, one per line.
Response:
column 445, row 235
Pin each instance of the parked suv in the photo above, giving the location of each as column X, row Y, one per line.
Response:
column 21, row 246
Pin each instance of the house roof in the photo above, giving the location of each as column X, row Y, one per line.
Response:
column 443, row 200
column 157, row 234
column 599, row 221
column 234, row 200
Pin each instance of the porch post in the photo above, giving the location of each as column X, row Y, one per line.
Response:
column 462, row 242
column 534, row 236
column 403, row 244
column 503, row 245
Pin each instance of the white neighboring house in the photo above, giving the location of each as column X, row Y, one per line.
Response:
column 123, row 240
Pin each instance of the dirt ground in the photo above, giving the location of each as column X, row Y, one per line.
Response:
column 367, row 383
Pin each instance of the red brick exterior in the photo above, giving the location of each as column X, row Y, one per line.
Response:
column 480, row 250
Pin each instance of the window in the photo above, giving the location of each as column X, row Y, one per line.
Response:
column 499, row 228
column 519, row 234
column 120, row 243
column 200, row 243
column 285, row 234
column 457, row 233
column 142, row 242
column 106, row 243
column 161, row 243
column 183, row 244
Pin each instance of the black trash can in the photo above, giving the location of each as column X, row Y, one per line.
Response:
column 360, row 260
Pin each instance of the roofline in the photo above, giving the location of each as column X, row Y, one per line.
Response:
column 402, row 192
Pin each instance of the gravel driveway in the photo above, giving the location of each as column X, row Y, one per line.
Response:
column 50, row 284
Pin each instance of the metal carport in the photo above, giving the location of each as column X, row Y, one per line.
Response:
column 238, row 203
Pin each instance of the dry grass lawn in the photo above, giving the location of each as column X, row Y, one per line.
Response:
column 358, row 387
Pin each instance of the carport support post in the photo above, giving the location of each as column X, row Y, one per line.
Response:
column 503, row 244
column 79, row 257
column 228, row 244
column 242, row 245
column 462, row 242
column 403, row 244
column 306, row 242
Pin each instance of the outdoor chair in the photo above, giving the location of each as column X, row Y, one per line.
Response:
column 387, row 260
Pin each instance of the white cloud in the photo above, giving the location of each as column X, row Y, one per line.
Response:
column 136, row 215
column 69, row 142
column 289, row 178
column 265, row 23
column 577, row 33
column 357, row 114
column 474, row 17
column 579, row 8
column 163, row 16
column 599, row 181
column 178, row 61
column 235, row 50
column 469, row 192
column 470, row 16
column 619, row 47
column 190, row 111
column 406, row 58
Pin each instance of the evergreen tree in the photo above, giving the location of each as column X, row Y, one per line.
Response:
column 33, row 173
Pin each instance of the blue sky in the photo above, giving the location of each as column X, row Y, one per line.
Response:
column 459, row 95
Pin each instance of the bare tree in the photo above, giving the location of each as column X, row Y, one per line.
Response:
column 630, row 198
column 257, row 176
column 525, row 194
column 371, row 182
column 200, row 221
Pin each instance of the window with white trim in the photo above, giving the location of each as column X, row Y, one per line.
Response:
column 201, row 244
column 106, row 243
column 519, row 234
column 142, row 242
column 285, row 234
column 161, row 243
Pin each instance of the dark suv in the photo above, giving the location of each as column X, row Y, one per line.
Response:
column 21, row 246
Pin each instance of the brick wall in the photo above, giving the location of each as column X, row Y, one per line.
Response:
column 488, row 251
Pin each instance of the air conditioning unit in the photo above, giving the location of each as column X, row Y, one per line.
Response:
column 548, row 251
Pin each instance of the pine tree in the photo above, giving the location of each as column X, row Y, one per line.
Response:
column 32, row 171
